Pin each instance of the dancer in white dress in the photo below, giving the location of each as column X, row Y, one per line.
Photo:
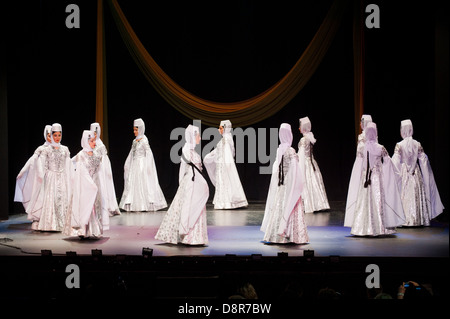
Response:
column 365, row 119
column 373, row 202
column 222, row 172
column 142, row 191
column 314, row 195
column 283, row 220
column 420, row 196
column 84, row 218
column 29, row 180
column 185, row 221
column 109, row 205
column 54, row 196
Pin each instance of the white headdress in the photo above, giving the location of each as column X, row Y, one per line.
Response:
column 227, row 127
column 87, row 135
column 95, row 127
column 406, row 128
column 371, row 139
column 285, row 135
column 190, row 137
column 406, row 131
column 139, row 123
column 365, row 119
column 305, row 126
column 47, row 130
column 56, row 127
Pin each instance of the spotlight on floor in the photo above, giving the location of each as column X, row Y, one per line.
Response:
column 147, row 252
column 46, row 252
column 309, row 253
column 71, row 253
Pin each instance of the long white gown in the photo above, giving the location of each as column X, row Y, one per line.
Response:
column 85, row 218
column 223, row 174
column 54, row 195
column 314, row 195
column 419, row 193
column 365, row 119
column 284, row 220
column 29, row 181
column 185, row 220
column 56, row 188
column 373, row 205
column 109, row 200
column 142, row 191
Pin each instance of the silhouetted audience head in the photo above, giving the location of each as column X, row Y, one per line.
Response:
column 244, row 290
column 328, row 294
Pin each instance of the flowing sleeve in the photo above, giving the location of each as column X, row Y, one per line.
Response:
column 182, row 171
column 301, row 157
column 84, row 192
column 397, row 158
column 127, row 165
column 394, row 215
column 152, row 177
column 294, row 189
column 150, row 160
column 25, row 180
column 353, row 187
column 431, row 190
column 270, row 195
column 210, row 164
column 196, row 193
column 397, row 166
column 69, row 171
column 36, row 185
column 108, row 193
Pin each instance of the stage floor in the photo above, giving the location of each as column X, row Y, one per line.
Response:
column 230, row 232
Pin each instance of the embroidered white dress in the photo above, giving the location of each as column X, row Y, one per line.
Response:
column 284, row 220
column 142, row 191
column 29, row 182
column 373, row 205
column 109, row 200
column 185, row 220
column 85, row 214
column 55, row 192
column 106, row 185
column 223, row 174
column 314, row 195
column 420, row 197
column 295, row 230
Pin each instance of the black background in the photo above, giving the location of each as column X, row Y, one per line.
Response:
column 224, row 51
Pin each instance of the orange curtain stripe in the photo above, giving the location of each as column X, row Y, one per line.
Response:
column 244, row 112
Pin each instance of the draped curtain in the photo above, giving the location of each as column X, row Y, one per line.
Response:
column 101, row 110
column 242, row 113
column 358, row 63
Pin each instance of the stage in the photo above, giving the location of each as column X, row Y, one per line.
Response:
column 230, row 232
column 235, row 254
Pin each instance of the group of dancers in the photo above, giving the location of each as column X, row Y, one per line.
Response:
column 76, row 195
column 384, row 192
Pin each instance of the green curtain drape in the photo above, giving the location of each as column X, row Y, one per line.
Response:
column 241, row 113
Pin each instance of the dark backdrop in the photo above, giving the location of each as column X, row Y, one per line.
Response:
column 226, row 51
